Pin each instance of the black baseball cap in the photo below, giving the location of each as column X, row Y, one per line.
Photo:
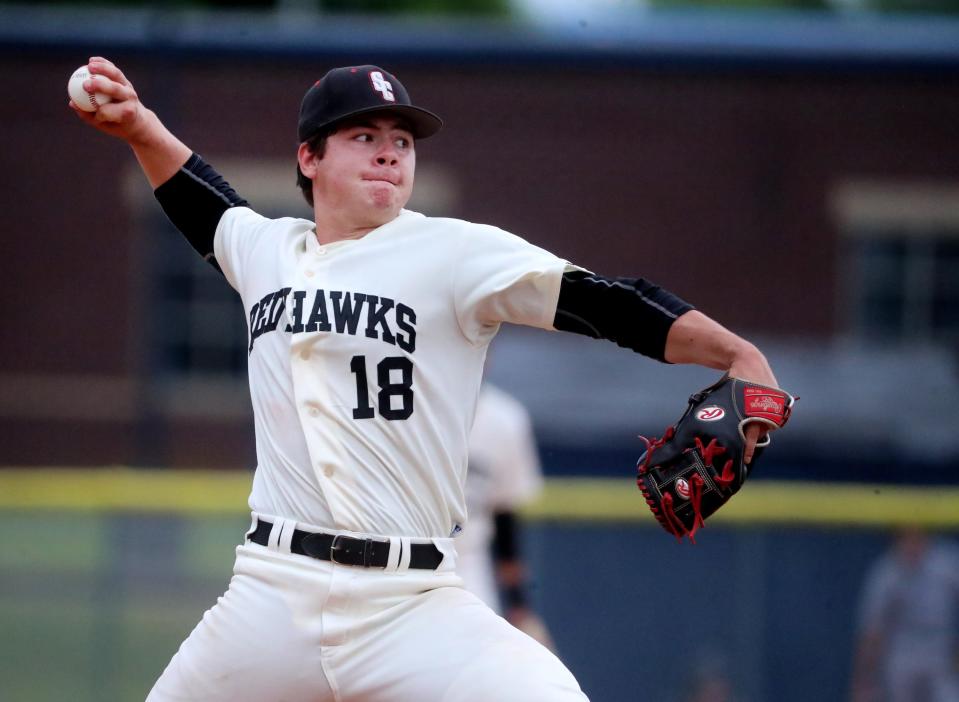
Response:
column 355, row 90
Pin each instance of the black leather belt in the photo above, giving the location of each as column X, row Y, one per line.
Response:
column 348, row 550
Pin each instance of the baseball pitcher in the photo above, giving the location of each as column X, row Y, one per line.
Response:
column 368, row 328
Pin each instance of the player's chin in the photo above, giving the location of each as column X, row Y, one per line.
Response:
column 387, row 197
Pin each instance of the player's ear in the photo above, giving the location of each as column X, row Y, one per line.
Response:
column 306, row 160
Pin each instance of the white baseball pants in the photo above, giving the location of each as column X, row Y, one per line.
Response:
column 298, row 629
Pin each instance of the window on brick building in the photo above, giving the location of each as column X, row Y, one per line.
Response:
column 900, row 263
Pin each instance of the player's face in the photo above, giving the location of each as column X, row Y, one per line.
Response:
column 366, row 173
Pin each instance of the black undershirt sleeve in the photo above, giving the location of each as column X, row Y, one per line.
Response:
column 632, row 312
column 195, row 199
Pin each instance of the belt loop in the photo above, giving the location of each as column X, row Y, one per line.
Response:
column 281, row 534
column 286, row 537
column 406, row 550
column 447, row 549
column 393, row 558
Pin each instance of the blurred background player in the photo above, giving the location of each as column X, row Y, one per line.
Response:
column 908, row 622
column 709, row 679
column 504, row 475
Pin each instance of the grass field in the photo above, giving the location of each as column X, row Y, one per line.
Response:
column 91, row 609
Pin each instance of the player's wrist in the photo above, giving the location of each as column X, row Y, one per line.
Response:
column 749, row 363
column 145, row 130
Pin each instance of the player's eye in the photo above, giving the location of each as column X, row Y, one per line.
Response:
column 363, row 137
column 403, row 143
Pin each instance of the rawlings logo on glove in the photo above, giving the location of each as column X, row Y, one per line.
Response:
column 697, row 465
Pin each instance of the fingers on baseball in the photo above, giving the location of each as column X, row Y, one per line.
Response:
column 119, row 113
column 124, row 102
column 101, row 66
column 118, row 92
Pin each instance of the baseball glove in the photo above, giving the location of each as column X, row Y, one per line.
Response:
column 697, row 465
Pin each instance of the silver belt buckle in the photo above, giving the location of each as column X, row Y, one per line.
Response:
column 337, row 546
column 334, row 546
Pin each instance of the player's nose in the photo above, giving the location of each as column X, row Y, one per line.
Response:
column 387, row 154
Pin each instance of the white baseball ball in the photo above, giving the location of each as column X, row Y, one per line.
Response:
column 89, row 102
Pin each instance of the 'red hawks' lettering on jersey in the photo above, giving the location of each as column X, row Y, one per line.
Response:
column 335, row 311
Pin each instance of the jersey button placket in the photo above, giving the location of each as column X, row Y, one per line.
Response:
column 312, row 270
column 308, row 364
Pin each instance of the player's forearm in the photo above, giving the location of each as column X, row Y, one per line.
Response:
column 651, row 320
column 695, row 338
column 158, row 151
column 193, row 195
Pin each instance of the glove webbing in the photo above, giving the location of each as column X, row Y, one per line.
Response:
column 667, row 517
column 673, row 523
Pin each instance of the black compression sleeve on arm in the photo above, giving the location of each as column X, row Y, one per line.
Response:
column 505, row 536
column 194, row 199
column 630, row 311
column 506, row 551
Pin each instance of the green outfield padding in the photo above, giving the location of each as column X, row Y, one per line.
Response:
column 206, row 492
column 125, row 489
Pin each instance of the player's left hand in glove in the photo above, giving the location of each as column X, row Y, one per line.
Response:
column 699, row 464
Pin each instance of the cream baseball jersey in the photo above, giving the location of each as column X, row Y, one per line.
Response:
column 365, row 360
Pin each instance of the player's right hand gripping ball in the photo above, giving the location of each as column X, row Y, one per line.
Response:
column 85, row 100
column 697, row 465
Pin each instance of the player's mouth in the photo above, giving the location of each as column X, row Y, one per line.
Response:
column 382, row 179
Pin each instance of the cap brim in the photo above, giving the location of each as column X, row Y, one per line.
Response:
column 423, row 123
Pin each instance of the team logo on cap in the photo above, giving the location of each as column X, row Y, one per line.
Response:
column 711, row 413
column 682, row 488
column 381, row 85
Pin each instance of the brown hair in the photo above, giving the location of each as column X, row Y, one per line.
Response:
column 317, row 146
